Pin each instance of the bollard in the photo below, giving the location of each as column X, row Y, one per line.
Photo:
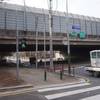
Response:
column 61, row 74
column 45, row 75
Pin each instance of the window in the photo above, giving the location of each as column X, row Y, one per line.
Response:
column 98, row 54
column 93, row 55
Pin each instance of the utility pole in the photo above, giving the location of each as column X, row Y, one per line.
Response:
column 45, row 70
column 68, row 41
column 36, row 29
column 50, row 33
column 17, row 49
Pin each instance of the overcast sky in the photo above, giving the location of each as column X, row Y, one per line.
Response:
column 82, row 7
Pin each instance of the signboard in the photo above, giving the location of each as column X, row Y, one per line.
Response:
column 76, row 27
column 73, row 34
column 82, row 35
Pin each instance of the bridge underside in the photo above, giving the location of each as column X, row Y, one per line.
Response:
column 78, row 52
column 78, row 47
column 75, row 49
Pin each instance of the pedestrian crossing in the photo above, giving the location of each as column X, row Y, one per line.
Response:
column 96, row 97
column 62, row 87
column 76, row 89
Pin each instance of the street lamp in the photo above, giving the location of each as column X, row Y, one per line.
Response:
column 50, row 33
column 36, row 37
column 68, row 41
column 17, row 48
column 45, row 70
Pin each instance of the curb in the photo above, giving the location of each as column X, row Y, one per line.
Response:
column 12, row 88
column 84, row 78
column 81, row 78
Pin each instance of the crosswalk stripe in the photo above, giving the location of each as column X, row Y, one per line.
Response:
column 96, row 97
column 58, row 95
column 63, row 87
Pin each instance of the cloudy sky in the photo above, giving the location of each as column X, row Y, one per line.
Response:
column 83, row 7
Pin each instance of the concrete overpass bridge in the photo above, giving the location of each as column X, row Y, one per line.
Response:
column 8, row 43
column 35, row 20
column 78, row 47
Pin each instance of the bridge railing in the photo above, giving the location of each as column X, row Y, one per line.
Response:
column 11, row 34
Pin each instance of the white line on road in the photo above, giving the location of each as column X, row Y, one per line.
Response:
column 96, row 97
column 59, row 95
column 63, row 87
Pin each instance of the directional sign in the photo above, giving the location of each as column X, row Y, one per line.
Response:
column 82, row 35
column 76, row 27
column 73, row 34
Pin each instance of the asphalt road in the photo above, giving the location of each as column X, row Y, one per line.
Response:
column 80, row 91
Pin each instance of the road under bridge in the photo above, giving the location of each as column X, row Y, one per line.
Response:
column 78, row 47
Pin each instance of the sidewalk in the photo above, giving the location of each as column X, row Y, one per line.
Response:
column 34, row 77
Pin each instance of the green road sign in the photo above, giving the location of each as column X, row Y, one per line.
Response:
column 82, row 35
column 73, row 34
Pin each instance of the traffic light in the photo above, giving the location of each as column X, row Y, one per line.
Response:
column 23, row 43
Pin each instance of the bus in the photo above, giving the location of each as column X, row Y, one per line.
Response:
column 94, row 67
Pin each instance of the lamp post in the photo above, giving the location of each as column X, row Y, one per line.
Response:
column 50, row 33
column 68, row 41
column 45, row 70
column 17, row 49
column 36, row 46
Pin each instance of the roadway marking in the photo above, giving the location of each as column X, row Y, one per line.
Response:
column 96, row 97
column 63, row 87
column 59, row 95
